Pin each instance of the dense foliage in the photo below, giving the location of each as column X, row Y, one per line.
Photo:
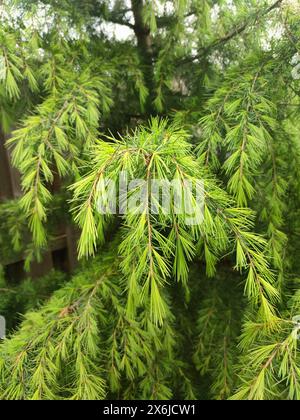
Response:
column 198, row 90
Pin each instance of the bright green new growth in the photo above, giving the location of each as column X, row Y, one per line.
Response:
column 159, row 245
column 53, row 141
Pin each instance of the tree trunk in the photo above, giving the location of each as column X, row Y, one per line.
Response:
column 144, row 43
